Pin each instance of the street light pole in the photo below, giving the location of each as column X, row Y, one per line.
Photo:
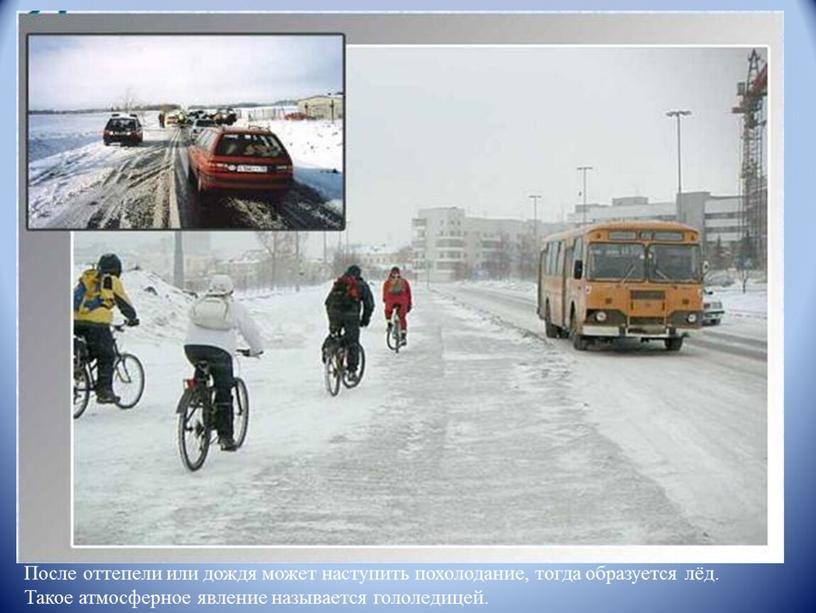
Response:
column 583, row 170
column 678, row 114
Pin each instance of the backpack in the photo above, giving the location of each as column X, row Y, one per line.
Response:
column 397, row 286
column 213, row 313
column 344, row 294
column 93, row 291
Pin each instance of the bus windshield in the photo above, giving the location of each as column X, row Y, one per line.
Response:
column 674, row 263
column 616, row 261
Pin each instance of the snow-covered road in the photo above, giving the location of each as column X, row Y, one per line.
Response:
column 76, row 182
column 481, row 432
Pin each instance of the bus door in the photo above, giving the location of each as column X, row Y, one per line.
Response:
column 566, row 277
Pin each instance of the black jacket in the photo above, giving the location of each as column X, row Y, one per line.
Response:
column 353, row 310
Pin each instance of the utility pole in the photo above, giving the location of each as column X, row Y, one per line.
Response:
column 178, row 262
column 535, row 198
column 583, row 170
column 297, row 261
column 678, row 114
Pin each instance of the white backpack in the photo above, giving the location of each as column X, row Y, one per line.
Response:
column 213, row 313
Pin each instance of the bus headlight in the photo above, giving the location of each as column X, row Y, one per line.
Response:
column 600, row 316
column 692, row 317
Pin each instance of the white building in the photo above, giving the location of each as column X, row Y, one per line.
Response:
column 622, row 209
column 322, row 107
column 449, row 245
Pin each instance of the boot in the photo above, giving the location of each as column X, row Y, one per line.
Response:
column 227, row 443
column 105, row 395
column 403, row 338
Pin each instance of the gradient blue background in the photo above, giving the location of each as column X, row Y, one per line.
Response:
column 741, row 588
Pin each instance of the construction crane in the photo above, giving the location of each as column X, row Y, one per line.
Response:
column 753, row 217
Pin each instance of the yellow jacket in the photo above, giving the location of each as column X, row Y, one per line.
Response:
column 96, row 295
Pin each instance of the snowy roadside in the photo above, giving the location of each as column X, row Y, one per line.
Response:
column 316, row 148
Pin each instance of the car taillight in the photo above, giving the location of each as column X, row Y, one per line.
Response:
column 189, row 384
column 107, row 132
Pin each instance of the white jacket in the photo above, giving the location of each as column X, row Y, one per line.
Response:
column 226, row 339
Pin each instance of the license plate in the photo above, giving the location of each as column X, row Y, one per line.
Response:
column 250, row 168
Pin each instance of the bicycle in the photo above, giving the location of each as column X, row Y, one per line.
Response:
column 393, row 334
column 128, row 375
column 335, row 358
column 197, row 412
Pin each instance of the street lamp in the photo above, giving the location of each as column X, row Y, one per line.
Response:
column 678, row 114
column 583, row 170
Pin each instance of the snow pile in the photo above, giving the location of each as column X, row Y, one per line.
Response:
column 316, row 148
column 751, row 304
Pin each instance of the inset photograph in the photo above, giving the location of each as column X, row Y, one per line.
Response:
column 185, row 132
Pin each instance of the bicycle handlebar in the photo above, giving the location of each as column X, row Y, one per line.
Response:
column 248, row 353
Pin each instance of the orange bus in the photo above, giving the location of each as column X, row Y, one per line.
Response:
column 635, row 279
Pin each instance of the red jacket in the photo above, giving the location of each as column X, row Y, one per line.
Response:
column 402, row 298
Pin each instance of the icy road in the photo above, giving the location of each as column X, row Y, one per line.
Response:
column 85, row 184
column 481, row 432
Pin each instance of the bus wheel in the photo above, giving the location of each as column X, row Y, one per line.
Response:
column 550, row 329
column 579, row 341
column 674, row 344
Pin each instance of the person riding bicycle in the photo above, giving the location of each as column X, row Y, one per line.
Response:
column 396, row 291
column 211, row 338
column 98, row 291
column 348, row 294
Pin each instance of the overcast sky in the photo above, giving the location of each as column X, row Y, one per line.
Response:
column 72, row 72
column 484, row 127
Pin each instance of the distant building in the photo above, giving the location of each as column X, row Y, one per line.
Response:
column 628, row 208
column 449, row 245
column 322, row 107
column 716, row 217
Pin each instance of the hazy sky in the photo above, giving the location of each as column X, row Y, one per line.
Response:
column 70, row 72
column 485, row 127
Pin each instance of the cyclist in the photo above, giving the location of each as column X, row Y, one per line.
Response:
column 396, row 291
column 211, row 338
column 348, row 294
column 98, row 291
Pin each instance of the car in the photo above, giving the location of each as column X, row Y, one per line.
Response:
column 200, row 124
column 239, row 160
column 123, row 129
column 712, row 308
column 225, row 116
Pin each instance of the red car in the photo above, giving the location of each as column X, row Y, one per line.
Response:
column 239, row 159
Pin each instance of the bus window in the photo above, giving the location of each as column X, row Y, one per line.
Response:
column 616, row 261
column 559, row 262
column 674, row 263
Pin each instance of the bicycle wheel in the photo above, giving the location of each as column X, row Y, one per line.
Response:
column 392, row 337
column 82, row 389
column 128, row 380
column 332, row 371
column 193, row 431
column 361, row 361
column 240, row 413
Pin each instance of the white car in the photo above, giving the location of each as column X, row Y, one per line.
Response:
column 199, row 125
column 712, row 308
